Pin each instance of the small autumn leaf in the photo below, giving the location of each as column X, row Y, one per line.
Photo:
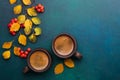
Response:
column 27, row 30
column 27, row 2
column 7, row 45
column 17, row 9
column 59, row 68
column 69, row 63
column 15, row 27
column 28, row 23
column 6, row 54
column 37, row 31
column 32, row 38
column 12, row 1
column 22, row 40
column 31, row 12
column 16, row 51
column 21, row 19
column 36, row 20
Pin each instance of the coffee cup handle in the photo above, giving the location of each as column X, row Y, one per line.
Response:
column 78, row 55
column 26, row 69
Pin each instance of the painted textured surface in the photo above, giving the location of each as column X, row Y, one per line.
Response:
column 94, row 23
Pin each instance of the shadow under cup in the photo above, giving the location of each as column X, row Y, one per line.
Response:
column 38, row 60
column 64, row 46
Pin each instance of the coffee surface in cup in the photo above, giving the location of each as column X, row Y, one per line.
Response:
column 39, row 60
column 64, row 45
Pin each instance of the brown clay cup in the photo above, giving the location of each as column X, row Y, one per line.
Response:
column 74, row 51
column 29, row 66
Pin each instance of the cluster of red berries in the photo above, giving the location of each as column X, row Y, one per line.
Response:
column 24, row 54
column 22, row 25
column 39, row 8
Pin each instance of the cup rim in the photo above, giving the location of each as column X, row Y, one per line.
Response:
column 49, row 57
column 74, row 48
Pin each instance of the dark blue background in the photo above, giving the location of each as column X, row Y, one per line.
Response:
column 94, row 23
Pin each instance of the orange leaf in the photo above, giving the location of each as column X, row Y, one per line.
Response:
column 59, row 68
column 69, row 63
column 15, row 27
column 16, row 51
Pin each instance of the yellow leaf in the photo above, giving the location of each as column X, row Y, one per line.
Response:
column 26, row 2
column 31, row 12
column 6, row 54
column 16, row 51
column 28, row 23
column 21, row 19
column 7, row 45
column 22, row 40
column 17, row 9
column 28, row 26
column 12, row 1
column 32, row 38
column 36, row 20
column 69, row 63
column 37, row 31
column 59, row 68
column 15, row 27
column 27, row 30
